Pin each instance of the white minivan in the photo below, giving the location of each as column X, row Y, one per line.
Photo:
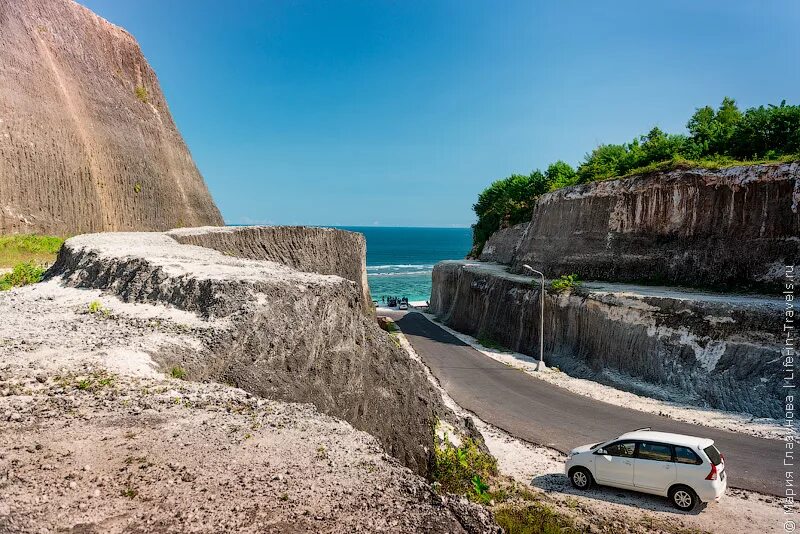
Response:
column 686, row 469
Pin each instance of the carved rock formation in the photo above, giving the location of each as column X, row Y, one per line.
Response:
column 87, row 142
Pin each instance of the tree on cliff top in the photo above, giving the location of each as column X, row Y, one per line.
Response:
column 716, row 137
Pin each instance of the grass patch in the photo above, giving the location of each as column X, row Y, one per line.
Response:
column 141, row 93
column 714, row 164
column 21, row 275
column 137, row 188
column 565, row 282
column 178, row 372
column 533, row 518
column 490, row 343
column 15, row 249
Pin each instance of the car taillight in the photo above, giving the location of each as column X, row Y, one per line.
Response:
column 713, row 474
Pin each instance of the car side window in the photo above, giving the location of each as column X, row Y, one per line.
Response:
column 625, row 449
column 685, row 455
column 660, row 452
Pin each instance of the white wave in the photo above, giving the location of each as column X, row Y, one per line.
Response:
column 400, row 266
column 404, row 273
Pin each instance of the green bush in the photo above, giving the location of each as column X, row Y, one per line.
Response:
column 178, row 372
column 565, row 281
column 463, row 470
column 23, row 274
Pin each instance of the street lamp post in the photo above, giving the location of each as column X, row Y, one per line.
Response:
column 540, row 366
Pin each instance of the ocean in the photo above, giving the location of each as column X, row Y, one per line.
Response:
column 400, row 260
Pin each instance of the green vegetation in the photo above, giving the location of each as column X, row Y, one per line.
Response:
column 178, row 372
column 533, row 518
column 141, row 93
column 716, row 138
column 565, row 282
column 464, row 470
column 137, row 188
column 490, row 343
column 21, row 275
column 97, row 307
column 15, row 249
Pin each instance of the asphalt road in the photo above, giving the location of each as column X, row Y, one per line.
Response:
column 542, row 413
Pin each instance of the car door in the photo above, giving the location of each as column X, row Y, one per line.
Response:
column 654, row 467
column 613, row 464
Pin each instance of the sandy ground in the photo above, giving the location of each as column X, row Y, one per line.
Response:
column 542, row 469
column 731, row 421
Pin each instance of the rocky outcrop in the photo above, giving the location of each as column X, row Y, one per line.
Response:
column 87, row 142
column 503, row 244
column 290, row 335
column 702, row 348
column 727, row 228
column 309, row 249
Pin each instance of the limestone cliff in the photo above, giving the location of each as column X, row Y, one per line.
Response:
column 502, row 245
column 287, row 334
column 702, row 348
column 87, row 142
column 727, row 228
column 309, row 249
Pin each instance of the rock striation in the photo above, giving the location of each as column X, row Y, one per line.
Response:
column 733, row 228
column 292, row 335
column 87, row 142
column 308, row 249
column 502, row 245
column 688, row 346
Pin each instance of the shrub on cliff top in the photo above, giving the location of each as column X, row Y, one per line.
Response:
column 565, row 282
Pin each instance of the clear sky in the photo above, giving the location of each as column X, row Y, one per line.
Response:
column 398, row 113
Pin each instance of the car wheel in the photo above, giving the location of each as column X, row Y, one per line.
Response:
column 683, row 498
column 581, row 478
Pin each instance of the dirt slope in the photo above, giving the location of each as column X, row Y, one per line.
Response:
column 87, row 142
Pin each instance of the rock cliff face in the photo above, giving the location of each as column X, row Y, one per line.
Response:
column 87, row 142
column 309, row 249
column 730, row 228
column 290, row 335
column 502, row 245
column 706, row 348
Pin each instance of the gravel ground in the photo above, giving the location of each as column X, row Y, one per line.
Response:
column 95, row 438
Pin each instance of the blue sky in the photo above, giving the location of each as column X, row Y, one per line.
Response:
column 398, row 113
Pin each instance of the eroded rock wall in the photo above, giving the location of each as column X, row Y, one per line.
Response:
column 703, row 348
column 309, row 249
column 87, row 142
column 730, row 228
column 291, row 335
column 502, row 245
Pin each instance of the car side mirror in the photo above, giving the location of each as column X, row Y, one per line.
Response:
column 601, row 451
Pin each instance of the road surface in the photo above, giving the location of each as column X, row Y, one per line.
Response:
column 542, row 413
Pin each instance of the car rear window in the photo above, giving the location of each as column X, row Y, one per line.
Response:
column 685, row 455
column 713, row 454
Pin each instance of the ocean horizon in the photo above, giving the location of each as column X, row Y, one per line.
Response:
column 400, row 259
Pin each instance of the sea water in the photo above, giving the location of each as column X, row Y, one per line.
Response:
column 400, row 260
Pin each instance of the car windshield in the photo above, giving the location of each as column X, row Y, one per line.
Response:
column 713, row 454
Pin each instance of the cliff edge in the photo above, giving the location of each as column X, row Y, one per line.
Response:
column 87, row 142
